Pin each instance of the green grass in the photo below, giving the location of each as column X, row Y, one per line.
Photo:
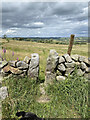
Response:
column 73, row 93
column 69, row 98
column 26, row 48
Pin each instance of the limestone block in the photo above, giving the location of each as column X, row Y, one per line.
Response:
column 70, row 65
column 69, row 70
column 3, row 64
column 61, row 59
column 27, row 60
column 61, row 67
column 59, row 78
column 15, row 71
column 80, row 72
column 52, row 62
column 67, row 58
column 22, row 65
column 75, row 57
column 81, row 58
column 33, row 71
column 12, row 63
column 3, row 93
column 83, row 66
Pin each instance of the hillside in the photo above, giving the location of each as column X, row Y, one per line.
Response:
column 23, row 92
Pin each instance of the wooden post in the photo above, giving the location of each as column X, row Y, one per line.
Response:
column 70, row 44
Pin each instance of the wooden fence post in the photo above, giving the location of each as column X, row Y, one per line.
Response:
column 70, row 44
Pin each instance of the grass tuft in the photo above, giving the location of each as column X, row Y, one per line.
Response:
column 69, row 98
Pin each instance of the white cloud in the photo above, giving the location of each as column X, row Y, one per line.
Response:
column 10, row 32
column 39, row 23
column 39, row 32
column 45, row 0
column 26, row 25
column 8, row 20
column 45, row 19
column 35, row 24
column 15, row 24
column 14, row 28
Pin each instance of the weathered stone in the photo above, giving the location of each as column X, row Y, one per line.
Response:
column 67, row 58
column 75, row 57
column 3, row 64
column 3, row 73
column 87, row 69
column 27, row 60
column 12, row 63
column 34, row 60
column 8, row 76
column 6, row 69
column 78, row 64
column 87, row 61
column 42, row 89
column 80, row 72
column 59, row 78
column 50, row 77
column 22, row 74
column 33, row 71
column 81, row 58
column 61, row 59
column 70, row 65
column 69, row 70
column 16, row 71
column 61, row 67
column 87, row 76
column 44, row 99
column 52, row 61
column 22, row 65
column 83, row 66
column 3, row 93
column 25, row 72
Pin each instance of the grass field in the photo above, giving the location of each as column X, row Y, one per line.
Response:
column 25, row 48
column 24, row 92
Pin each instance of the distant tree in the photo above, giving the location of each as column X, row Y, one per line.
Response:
column 21, row 39
column 4, row 36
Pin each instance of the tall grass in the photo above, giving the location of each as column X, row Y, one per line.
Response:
column 69, row 98
column 73, row 93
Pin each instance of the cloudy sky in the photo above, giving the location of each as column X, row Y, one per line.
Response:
column 45, row 19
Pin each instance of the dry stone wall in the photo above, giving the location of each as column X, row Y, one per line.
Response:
column 59, row 67
column 29, row 67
